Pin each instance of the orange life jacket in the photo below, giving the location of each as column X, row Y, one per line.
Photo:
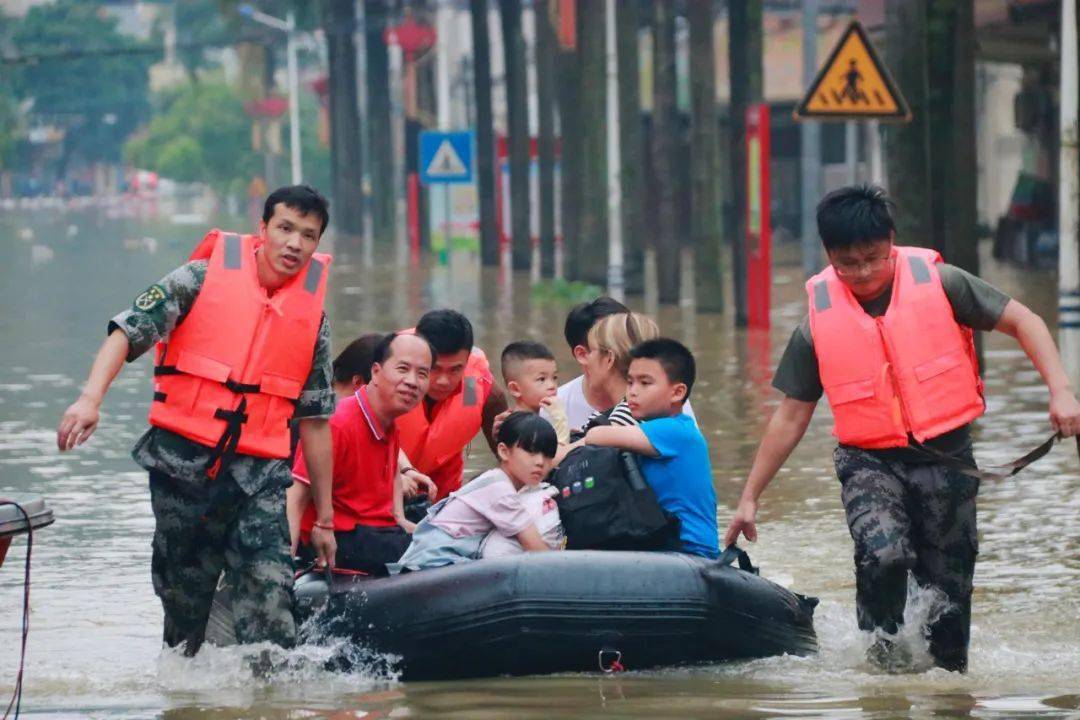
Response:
column 912, row 371
column 232, row 370
column 435, row 440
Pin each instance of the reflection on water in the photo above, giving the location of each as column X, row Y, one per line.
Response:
column 94, row 646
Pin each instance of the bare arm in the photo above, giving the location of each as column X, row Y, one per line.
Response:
column 1034, row 337
column 531, row 539
column 297, row 498
column 785, row 429
column 318, row 452
column 496, row 404
column 630, row 438
column 399, row 506
column 81, row 418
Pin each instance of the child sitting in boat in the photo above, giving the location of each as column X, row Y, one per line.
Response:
column 674, row 456
column 532, row 381
column 455, row 527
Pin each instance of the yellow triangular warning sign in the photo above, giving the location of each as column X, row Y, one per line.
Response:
column 853, row 84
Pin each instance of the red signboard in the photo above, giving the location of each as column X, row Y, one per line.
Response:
column 758, row 227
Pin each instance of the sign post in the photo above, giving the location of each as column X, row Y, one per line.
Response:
column 446, row 159
column 758, row 221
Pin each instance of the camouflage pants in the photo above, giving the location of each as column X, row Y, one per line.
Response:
column 206, row 527
column 911, row 517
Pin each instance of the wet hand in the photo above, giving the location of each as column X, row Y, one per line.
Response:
column 78, row 423
column 1065, row 413
column 325, row 546
column 743, row 523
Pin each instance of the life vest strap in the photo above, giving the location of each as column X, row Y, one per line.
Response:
column 237, row 387
column 241, row 388
column 225, row 450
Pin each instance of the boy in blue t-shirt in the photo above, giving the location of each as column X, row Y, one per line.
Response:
column 674, row 456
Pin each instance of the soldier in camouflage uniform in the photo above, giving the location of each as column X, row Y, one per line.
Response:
column 236, row 521
column 908, row 509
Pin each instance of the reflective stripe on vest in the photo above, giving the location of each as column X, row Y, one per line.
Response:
column 912, row 371
column 232, row 371
column 434, row 440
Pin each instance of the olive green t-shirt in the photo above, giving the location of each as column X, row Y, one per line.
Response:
column 975, row 303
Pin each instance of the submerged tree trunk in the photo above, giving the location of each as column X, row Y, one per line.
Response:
column 485, row 138
column 907, row 145
column 951, row 53
column 631, row 144
column 704, row 198
column 570, row 121
column 545, row 71
column 745, row 69
column 339, row 20
column 592, row 250
column 517, row 112
column 381, row 150
column 664, row 148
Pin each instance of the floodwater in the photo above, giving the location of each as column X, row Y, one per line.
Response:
column 95, row 648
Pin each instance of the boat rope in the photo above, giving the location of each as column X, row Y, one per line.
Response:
column 16, row 695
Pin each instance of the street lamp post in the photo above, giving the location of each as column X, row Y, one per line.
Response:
column 287, row 26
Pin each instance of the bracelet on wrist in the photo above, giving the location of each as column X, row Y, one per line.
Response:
column 406, row 469
column 323, row 526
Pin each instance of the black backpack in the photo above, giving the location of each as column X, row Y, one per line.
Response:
column 605, row 503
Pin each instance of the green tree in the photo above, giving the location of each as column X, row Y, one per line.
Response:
column 78, row 80
column 9, row 118
column 201, row 134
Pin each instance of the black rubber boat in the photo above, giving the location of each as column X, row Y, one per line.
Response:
column 562, row 612
column 15, row 512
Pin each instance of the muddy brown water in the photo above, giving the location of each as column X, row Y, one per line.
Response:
column 95, row 646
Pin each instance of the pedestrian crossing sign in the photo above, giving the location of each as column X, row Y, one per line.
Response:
column 446, row 157
column 853, row 85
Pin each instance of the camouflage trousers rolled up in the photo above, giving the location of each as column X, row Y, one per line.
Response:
column 911, row 517
column 208, row 527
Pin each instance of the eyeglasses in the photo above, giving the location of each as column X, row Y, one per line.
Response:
column 855, row 269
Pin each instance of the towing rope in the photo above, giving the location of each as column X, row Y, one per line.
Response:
column 16, row 695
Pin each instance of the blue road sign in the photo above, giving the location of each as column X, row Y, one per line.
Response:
column 446, row 157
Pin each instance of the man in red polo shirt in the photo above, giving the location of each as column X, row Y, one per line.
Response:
column 366, row 496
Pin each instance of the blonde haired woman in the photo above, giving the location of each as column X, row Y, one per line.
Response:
column 608, row 361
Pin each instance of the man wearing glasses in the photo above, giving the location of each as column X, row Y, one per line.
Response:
column 889, row 340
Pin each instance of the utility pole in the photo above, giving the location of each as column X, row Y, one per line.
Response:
column 810, row 139
column 615, row 280
column 517, row 113
column 1068, row 197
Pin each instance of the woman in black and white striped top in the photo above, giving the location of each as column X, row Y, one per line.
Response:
column 608, row 362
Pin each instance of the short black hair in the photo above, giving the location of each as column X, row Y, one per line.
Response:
column 674, row 357
column 854, row 215
column 520, row 351
column 382, row 350
column 448, row 331
column 582, row 317
column 357, row 358
column 530, row 432
column 304, row 199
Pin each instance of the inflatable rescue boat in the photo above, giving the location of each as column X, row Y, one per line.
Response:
column 562, row 612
